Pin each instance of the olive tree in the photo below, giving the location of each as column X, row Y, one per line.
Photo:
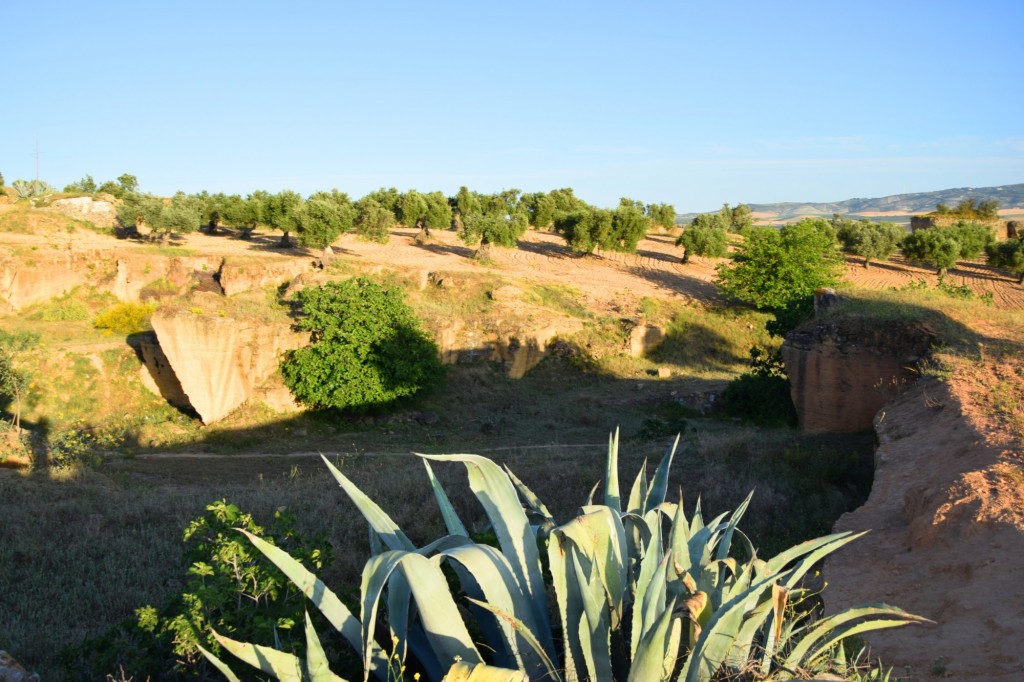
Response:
column 867, row 239
column 1008, row 255
column 281, row 212
column 373, row 220
column 324, row 217
column 705, row 236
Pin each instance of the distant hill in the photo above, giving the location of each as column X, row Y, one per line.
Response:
column 1008, row 196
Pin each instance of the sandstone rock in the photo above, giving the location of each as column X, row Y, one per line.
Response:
column 521, row 351
column 156, row 372
column 39, row 278
column 506, row 294
column 242, row 274
column 275, row 395
column 137, row 271
column 98, row 212
column 945, row 542
column 645, row 338
column 843, row 371
column 220, row 361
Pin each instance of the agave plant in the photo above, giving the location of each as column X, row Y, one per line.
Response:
column 641, row 592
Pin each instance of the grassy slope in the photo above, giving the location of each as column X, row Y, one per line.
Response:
column 94, row 545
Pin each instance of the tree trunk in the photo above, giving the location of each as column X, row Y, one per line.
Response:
column 1020, row 280
column 686, row 256
column 285, row 242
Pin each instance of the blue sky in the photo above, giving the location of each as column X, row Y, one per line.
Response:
column 691, row 103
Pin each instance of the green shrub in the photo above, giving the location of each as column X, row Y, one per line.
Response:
column 641, row 592
column 228, row 586
column 66, row 308
column 368, row 349
column 125, row 318
column 762, row 395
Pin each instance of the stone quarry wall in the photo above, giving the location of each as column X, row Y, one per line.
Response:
column 220, row 361
column 842, row 371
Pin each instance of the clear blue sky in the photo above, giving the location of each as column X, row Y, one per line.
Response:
column 692, row 103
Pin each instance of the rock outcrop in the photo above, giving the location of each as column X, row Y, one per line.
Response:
column 156, row 372
column 243, row 274
column 42, row 275
column 221, row 361
column 97, row 211
column 842, row 371
column 946, row 515
column 644, row 338
column 522, row 350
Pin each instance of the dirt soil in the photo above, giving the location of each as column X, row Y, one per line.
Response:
column 946, row 515
column 609, row 282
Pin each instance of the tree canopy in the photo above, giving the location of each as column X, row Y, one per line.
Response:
column 941, row 247
column 705, row 236
column 368, row 349
column 773, row 268
column 867, row 239
column 1008, row 255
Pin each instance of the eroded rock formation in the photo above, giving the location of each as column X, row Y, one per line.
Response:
column 97, row 211
column 842, row 371
column 946, row 516
column 221, row 361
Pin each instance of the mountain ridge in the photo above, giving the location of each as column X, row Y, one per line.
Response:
column 1008, row 196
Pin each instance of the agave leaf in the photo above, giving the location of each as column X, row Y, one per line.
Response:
column 500, row 501
column 743, row 645
column 337, row 613
column 611, row 477
column 595, row 633
column 590, row 497
column 481, row 672
column 848, row 623
column 527, row 636
column 659, row 484
column 399, row 594
column 638, row 493
column 697, row 520
column 725, row 544
column 654, row 599
column 648, row 569
column 722, row 630
column 529, row 496
column 451, row 519
column 285, row 667
column 679, row 540
column 389, row 532
column 492, row 574
column 653, row 653
column 600, row 536
column 439, row 616
column 220, row 665
column 570, row 606
column 316, row 667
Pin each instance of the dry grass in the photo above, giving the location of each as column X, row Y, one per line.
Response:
column 81, row 551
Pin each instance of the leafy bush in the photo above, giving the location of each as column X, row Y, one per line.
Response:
column 762, row 395
column 66, row 308
column 368, row 349
column 775, row 267
column 641, row 591
column 125, row 318
column 78, row 444
column 1008, row 255
column 228, row 586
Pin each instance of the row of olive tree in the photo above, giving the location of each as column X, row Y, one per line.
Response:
column 318, row 220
